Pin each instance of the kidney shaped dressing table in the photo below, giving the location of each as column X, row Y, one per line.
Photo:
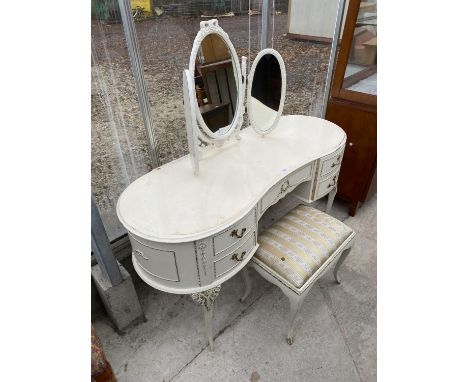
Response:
column 192, row 229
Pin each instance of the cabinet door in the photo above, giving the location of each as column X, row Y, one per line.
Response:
column 353, row 101
column 360, row 155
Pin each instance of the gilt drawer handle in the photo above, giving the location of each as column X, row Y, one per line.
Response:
column 237, row 258
column 137, row 252
column 235, row 233
column 334, row 182
column 337, row 161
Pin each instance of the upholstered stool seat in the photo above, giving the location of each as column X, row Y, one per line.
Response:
column 298, row 249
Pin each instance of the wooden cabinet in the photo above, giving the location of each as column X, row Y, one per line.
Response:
column 353, row 103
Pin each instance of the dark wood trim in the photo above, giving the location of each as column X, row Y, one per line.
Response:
column 356, row 77
column 356, row 105
column 358, row 97
column 212, row 66
column 345, row 48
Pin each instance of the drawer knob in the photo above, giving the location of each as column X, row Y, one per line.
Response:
column 334, row 182
column 139, row 253
column 337, row 161
column 236, row 256
column 235, row 233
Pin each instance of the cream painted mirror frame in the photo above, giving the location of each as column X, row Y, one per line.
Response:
column 250, row 112
column 207, row 28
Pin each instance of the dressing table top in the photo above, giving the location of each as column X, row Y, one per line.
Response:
column 170, row 204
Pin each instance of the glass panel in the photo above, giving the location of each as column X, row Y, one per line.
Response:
column 361, row 70
column 165, row 42
column 118, row 142
column 302, row 34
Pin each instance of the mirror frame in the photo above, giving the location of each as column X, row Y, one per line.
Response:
column 207, row 28
column 249, row 90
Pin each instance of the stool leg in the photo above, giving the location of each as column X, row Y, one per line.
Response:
column 295, row 303
column 247, row 283
column 206, row 299
column 338, row 264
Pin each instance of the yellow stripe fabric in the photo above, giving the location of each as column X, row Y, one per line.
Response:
column 298, row 244
column 290, row 245
column 293, row 264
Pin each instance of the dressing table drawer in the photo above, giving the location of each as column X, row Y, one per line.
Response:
column 157, row 262
column 234, row 258
column 325, row 186
column 234, row 234
column 331, row 163
column 285, row 186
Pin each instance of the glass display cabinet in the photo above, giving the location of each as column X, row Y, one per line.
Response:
column 353, row 102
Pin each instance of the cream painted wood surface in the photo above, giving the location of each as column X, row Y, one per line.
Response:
column 170, row 204
column 190, row 233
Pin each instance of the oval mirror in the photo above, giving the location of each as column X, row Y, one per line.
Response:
column 216, row 77
column 266, row 91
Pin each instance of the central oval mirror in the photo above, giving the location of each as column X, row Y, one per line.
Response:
column 267, row 88
column 216, row 77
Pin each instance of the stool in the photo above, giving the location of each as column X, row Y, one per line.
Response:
column 296, row 251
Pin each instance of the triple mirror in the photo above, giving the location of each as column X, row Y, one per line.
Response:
column 214, row 89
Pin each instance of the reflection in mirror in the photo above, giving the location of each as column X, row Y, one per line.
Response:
column 266, row 91
column 215, row 83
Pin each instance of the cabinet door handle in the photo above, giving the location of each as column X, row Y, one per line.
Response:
column 237, row 258
column 334, row 182
column 138, row 252
column 235, row 233
column 337, row 161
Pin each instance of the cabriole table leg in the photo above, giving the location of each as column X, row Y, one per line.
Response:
column 206, row 300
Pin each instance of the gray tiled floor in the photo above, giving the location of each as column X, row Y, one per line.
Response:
column 335, row 335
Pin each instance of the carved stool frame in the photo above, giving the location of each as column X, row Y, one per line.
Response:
column 297, row 296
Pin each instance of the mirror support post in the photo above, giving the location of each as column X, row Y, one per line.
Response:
column 135, row 59
column 331, row 62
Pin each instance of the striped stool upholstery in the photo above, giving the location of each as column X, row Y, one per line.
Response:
column 297, row 245
column 298, row 249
